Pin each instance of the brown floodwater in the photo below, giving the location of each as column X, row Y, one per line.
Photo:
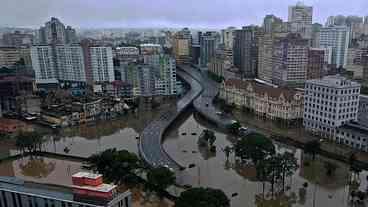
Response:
column 211, row 169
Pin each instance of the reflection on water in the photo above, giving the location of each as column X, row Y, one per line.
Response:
column 89, row 139
column 37, row 167
column 215, row 171
column 41, row 169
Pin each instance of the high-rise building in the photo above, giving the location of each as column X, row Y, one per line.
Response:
column 336, row 37
column 9, row 56
column 182, row 44
column 330, row 103
column 228, row 37
column 70, row 35
column 58, row 63
column 228, row 42
column 102, row 64
column 17, row 39
column 316, row 29
column 300, row 19
column 290, row 60
column 271, row 24
column 316, row 63
column 54, row 32
column 208, row 42
column 246, row 50
column 265, row 55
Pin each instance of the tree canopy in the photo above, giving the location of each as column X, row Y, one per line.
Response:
column 120, row 167
column 312, row 148
column 30, row 141
column 161, row 177
column 202, row 197
column 254, row 147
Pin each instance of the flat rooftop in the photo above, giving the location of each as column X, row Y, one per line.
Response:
column 57, row 192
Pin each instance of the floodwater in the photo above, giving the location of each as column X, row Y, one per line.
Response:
column 212, row 170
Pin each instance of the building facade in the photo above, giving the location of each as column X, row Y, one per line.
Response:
column 9, row 56
column 102, row 64
column 290, row 60
column 246, row 50
column 58, row 63
column 182, row 44
column 264, row 100
column 54, row 32
column 336, row 38
column 300, row 19
column 329, row 103
column 87, row 190
column 208, row 42
column 316, row 63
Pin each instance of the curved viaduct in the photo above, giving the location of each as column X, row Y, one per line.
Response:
column 201, row 94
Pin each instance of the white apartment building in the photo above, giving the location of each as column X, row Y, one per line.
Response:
column 102, row 64
column 58, row 63
column 336, row 38
column 43, row 63
column 329, row 103
column 70, row 63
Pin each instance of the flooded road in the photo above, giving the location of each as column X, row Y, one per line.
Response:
column 210, row 169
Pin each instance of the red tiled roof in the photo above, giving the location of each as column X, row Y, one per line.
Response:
column 262, row 89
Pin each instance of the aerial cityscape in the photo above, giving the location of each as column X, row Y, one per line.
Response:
column 177, row 106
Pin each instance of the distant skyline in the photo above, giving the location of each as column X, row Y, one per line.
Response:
column 164, row 13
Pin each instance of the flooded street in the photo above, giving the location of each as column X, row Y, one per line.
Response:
column 212, row 170
column 208, row 169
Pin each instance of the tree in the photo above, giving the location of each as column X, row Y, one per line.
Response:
column 227, row 150
column 330, row 168
column 234, row 127
column 289, row 165
column 30, row 141
column 120, row 167
column 312, row 148
column 254, row 147
column 160, row 178
column 355, row 169
column 276, row 168
column 207, row 138
column 202, row 197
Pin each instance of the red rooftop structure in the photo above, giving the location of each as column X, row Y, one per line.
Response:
column 91, row 185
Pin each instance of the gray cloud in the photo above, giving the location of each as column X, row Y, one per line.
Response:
column 158, row 13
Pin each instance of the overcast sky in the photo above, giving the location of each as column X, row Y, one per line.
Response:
column 164, row 13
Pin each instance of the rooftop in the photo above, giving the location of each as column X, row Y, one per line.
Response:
column 86, row 175
column 335, row 81
column 262, row 89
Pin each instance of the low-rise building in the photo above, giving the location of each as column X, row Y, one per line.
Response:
column 265, row 100
column 88, row 190
column 353, row 135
